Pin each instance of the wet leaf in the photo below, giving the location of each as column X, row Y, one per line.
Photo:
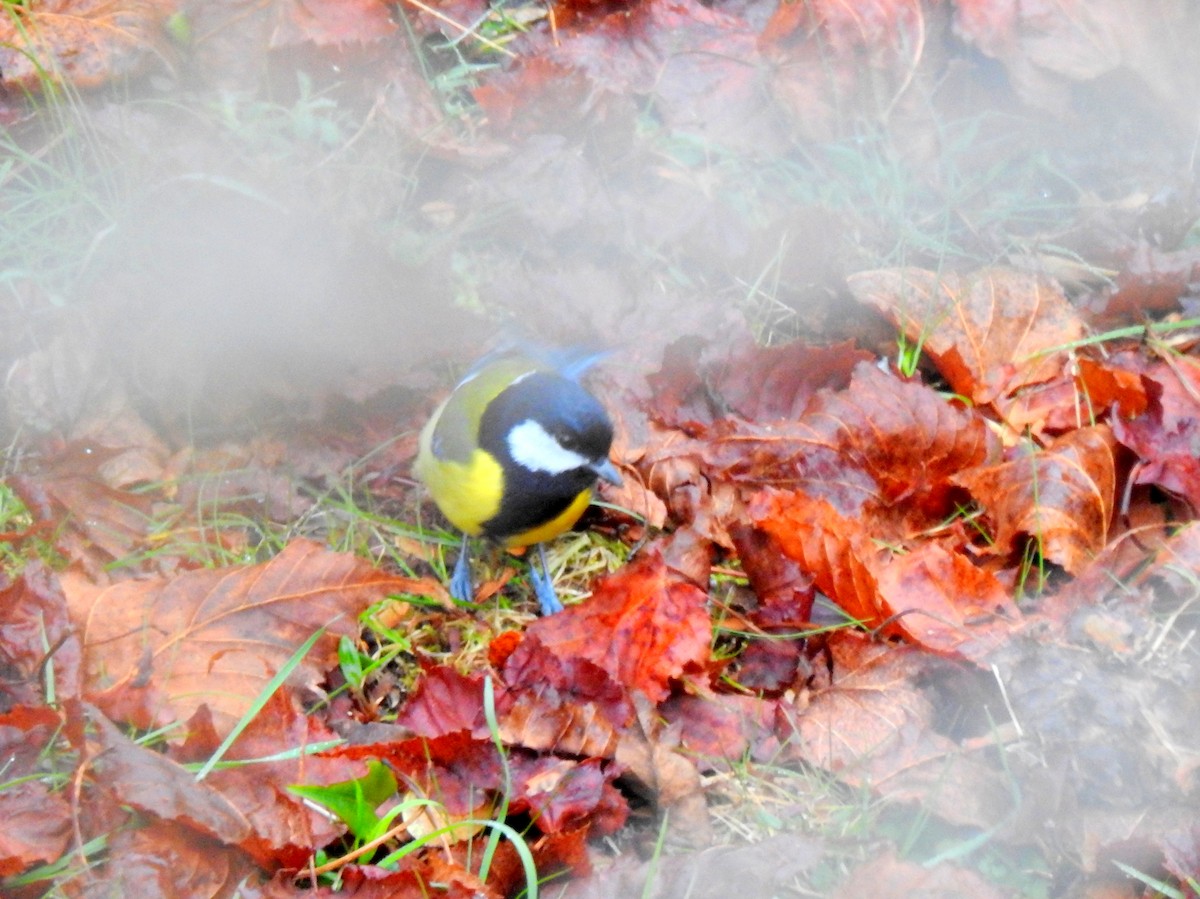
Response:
column 160, row 648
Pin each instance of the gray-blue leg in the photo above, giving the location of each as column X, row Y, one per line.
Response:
column 461, row 587
column 543, row 586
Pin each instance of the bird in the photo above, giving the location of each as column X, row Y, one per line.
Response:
column 514, row 454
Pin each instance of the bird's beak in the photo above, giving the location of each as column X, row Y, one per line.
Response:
column 606, row 471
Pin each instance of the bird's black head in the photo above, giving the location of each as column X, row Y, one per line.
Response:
column 548, row 425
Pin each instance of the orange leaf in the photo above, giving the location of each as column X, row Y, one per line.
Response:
column 1062, row 497
column 84, row 42
column 161, row 648
column 643, row 625
column 988, row 332
column 941, row 599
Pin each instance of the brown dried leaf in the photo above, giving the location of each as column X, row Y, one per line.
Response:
column 83, row 42
column 150, row 782
column 874, row 726
column 890, row 877
column 1062, row 497
column 334, row 23
column 987, row 332
column 161, row 648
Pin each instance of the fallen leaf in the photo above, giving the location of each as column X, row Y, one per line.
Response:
column 724, row 730
column 889, row 877
column 150, row 782
column 162, row 648
column 168, row 859
column 283, row 829
column 37, row 819
column 1165, row 436
column 989, row 333
column 767, row 867
column 873, row 726
column 565, row 705
column 651, row 754
column 81, row 42
column 37, row 640
column 1061, row 497
column 1048, row 49
column 644, row 626
column 331, row 23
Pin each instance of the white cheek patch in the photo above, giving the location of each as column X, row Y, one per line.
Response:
column 532, row 447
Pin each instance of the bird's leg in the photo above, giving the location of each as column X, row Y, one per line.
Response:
column 461, row 587
column 543, row 586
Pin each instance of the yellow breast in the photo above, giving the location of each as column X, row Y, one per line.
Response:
column 467, row 493
column 555, row 526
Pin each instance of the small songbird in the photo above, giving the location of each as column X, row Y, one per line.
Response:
column 513, row 454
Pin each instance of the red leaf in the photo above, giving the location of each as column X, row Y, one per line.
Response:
column 566, row 705
column 445, row 702
column 644, row 625
column 1166, row 435
column 33, row 616
column 943, row 601
column 37, row 820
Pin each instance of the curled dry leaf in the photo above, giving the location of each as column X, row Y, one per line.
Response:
column 1166, row 435
column 935, row 597
column 566, row 705
column 989, row 333
column 1061, row 497
column 83, row 42
column 159, row 649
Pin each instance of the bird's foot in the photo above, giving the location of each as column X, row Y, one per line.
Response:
column 461, row 587
column 543, row 586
